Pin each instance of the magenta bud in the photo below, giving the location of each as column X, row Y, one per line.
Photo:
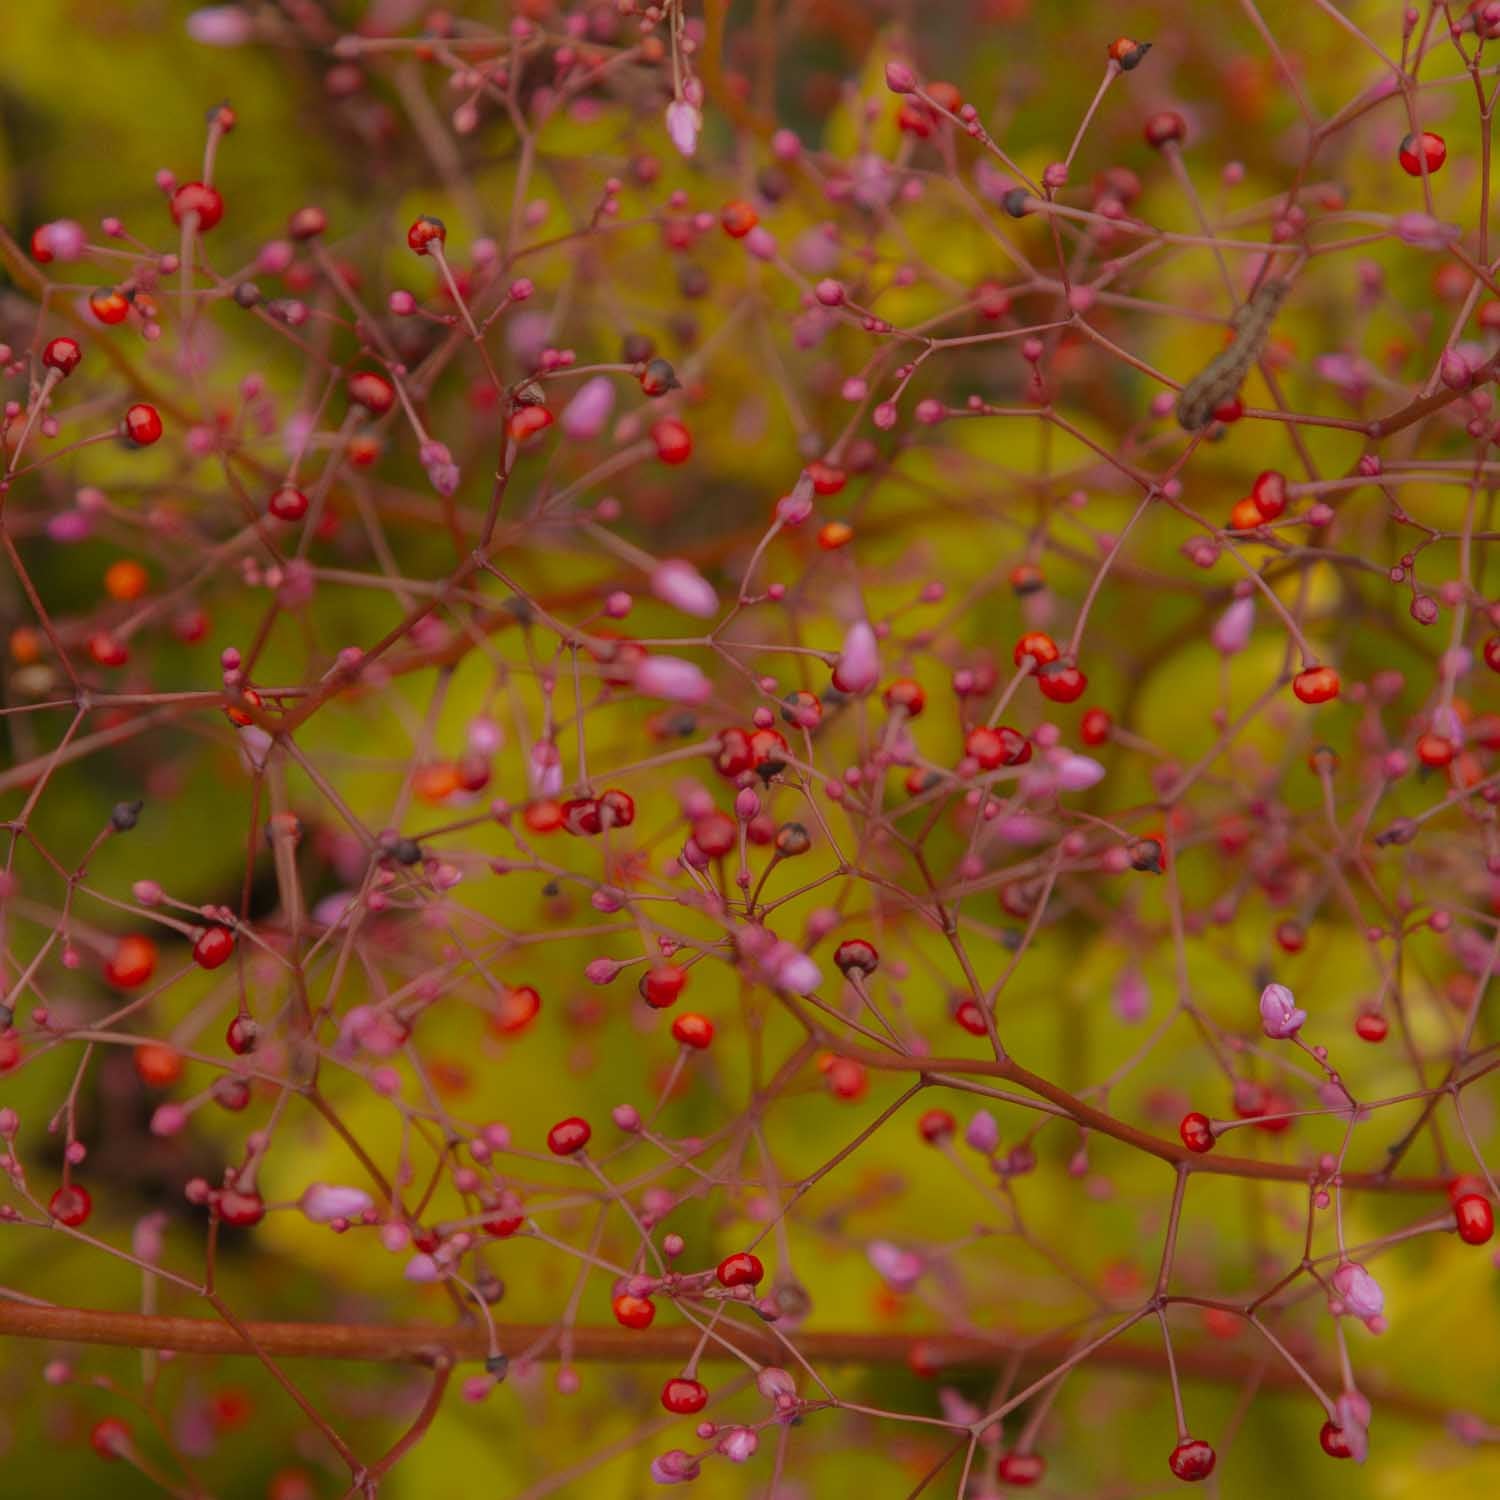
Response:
column 899, row 79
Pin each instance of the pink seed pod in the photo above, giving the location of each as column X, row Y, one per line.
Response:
column 982, row 1133
column 672, row 678
column 322, row 1202
column 858, row 667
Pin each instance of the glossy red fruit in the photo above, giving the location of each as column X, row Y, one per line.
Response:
column 1268, row 494
column 1335, row 1443
column 242, row 1035
column 1037, row 645
column 1020, row 1469
column 243, row 1210
column 738, row 219
column 517, row 1009
column 109, row 306
column 569, row 1136
column 63, row 355
column 1435, row 751
column 826, row 478
column 674, row 443
column 1428, row 151
column 661, row 985
column 287, row 504
column 110, row 1438
column 693, row 1030
column 740, row 1269
column 733, row 757
column 426, row 231
column 768, row 747
column 580, row 815
column 213, row 947
column 634, row 1312
column 715, row 834
column 1165, row 128
column 971, row 1018
column 132, row 963
column 1492, row 653
column 142, row 424
column 1192, row 1459
column 936, row 1125
column 616, row 809
column 1476, row 1219
column 157, row 1065
column 1000, row 746
column 200, row 199
column 683, row 1397
column 1062, row 684
column 1196, row 1132
column 1371, row 1026
column 371, row 390
column 527, row 421
column 1096, row 727
column 1316, row 684
column 71, row 1205
column 906, row 694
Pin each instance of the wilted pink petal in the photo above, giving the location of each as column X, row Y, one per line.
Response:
column 1424, row 232
column 739, row 1444
column 681, row 585
column 588, row 413
column 672, row 678
column 1359, row 1291
column 858, row 667
column 442, row 472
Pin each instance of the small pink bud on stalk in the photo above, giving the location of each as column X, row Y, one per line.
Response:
column 899, row 79
column 1231, row 632
column 323, row 1202
column 901, row 1269
column 684, row 121
column 681, row 585
column 1360, row 1294
column 588, row 413
column 221, row 26
column 1279, row 1015
column 672, row 678
column 858, row 667
column 983, row 1134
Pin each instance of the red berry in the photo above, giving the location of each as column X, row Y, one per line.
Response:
column 142, row 424
column 424, row 231
column 971, row 1018
column 110, row 1438
column 242, row 1035
column 1096, row 727
column 71, row 1205
column 733, row 757
column 1492, row 653
column 661, row 986
column 683, row 1396
column 693, row 1030
column 41, row 246
column 200, row 199
column 740, row 1269
column 1430, row 152
column 527, row 421
column 1164, row 128
column 826, row 479
column 1316, row 684
column 1062, row 684
column 1197, row 1134
column 287, row 504
column 213, row 947
column 1434, row 750
column 372, row 391
column 1371, row 1026
column 1335, row 1443
column 568, row 1136
column 738, row 219
column 936, row 1125
column 616, row 809
column 243, row 1210
column 133, row 962
column 62, row 355
column 715, row 834
column 1000, row 746
column 847, row 1078
column 517, row 1010
column 157, row 1065
column 504, row 1225
column 906, row 694
column 109, row 305
column 580, row 815
column 1192, row 1459
column 1476, row 1219
column 634, row 1312
column 1268, row 494
column 674, row 443
column 1037, row 645
column 108, row 650
column 1020, row 1469
column 768, row 747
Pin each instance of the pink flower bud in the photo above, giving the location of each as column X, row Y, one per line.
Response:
column 322, row 1202
column 739, row 1444
column 672, row 678
column 683, row 124
column 602, row 970
column 776, row 1385
column 681, row 585
column 899, row 79
column 168, row 1119
column 221, row 26
column 858, row 667
column 1231, row 633
column 1279, row 1014
column 422, row 1268
column 1076, row 773
column 1359, row 1291
column 901, row 1268
column 588, row 413
column 1132, row 997
column 983, row 1134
